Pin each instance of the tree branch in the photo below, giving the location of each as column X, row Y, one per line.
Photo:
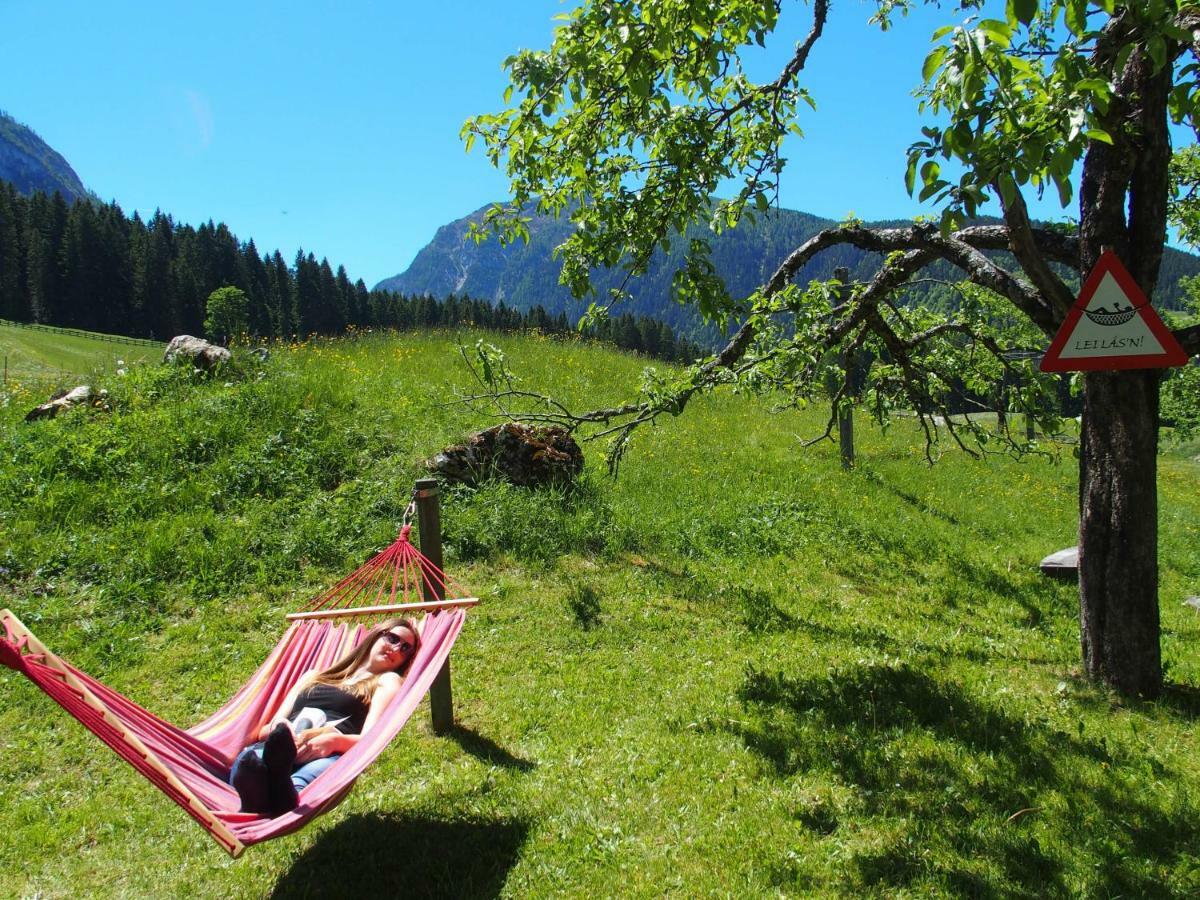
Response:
column 954, row 249
column 918, row 246
column 1056, row 246
column 1024, row 247
column 1149, row 182
column 1107, row 168
column 790, row 71
column 1189, row 339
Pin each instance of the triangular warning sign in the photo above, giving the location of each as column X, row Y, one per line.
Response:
column 1112, row 326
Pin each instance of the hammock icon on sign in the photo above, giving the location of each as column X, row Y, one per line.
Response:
column 1116, row 316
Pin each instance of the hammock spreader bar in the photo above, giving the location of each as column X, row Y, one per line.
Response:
column 192, row 767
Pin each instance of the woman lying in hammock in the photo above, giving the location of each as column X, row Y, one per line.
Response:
column 324, row 716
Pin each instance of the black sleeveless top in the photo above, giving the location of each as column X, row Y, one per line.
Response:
column 336, row 703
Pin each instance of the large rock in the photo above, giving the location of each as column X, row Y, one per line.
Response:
column 200, row 353
column 526, row 455
column 64, row 400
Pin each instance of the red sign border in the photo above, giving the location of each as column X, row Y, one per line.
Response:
column 1172, row 355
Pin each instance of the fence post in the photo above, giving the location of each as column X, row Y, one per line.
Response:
column 845, row 414
column 429, row 526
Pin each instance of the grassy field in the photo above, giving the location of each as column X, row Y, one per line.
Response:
column 735, row 671
column 32, row 354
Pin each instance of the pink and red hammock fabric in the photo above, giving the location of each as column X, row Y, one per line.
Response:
column 192, row 766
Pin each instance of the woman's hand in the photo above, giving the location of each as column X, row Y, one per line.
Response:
column 317, row 743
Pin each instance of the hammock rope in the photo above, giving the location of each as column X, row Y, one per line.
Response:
column 191, row 766
column 399, row 569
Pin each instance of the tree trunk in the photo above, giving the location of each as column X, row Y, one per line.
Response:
column 1118, row 531
column 1123, row 206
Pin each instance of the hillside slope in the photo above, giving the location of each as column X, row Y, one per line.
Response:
column 35, row 352
column 838, row 684
column 33, row 165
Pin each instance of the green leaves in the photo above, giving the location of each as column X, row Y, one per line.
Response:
column 698, row 284
column 1184, row 204
column 490, row 363
column 1021, row 11
column 1075, row 16
column 1024, row 98
column 998, row 33
column 1156, row 46
column 933, row 62
column 226, row 314
column 631, row 119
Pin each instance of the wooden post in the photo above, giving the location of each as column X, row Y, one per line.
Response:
column 429, row 527
column 846, row 414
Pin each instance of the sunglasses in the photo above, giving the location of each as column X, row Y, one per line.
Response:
column 394, row 640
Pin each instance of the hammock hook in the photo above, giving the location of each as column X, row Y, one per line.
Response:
column 410, row 510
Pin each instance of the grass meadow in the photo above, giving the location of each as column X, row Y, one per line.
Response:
column 735, row 671
column 41, row 355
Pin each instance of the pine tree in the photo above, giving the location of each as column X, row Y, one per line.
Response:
column 331, row 313
column 43, row 231
column 254, row 281
column 154, row 295
column 282, row 300
column 307, row 294
column 14, row 302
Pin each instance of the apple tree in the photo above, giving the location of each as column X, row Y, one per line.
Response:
column 642, row 110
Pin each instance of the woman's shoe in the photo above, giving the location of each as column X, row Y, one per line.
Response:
column 249, row 779
column 279, row 757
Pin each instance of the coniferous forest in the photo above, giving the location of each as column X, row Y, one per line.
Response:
column 87, row 265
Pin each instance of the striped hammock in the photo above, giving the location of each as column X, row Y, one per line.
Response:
column 192, row 767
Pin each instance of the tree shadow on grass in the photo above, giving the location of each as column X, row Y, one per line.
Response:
column 583, row 602
column 409, row 856
column 1177, row 701
column 486, row 750
column 682, row 581
column 959, row 787
column 1182, row 700
column 1035, row 594
column 761, row 614
column 911, row 499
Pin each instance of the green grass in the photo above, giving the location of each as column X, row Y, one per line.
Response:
column 39, row 355
column 735, row 671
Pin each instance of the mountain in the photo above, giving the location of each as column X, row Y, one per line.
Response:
column 33, row 165
column 525, row 275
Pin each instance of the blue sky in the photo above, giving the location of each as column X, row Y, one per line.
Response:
column 334, row 126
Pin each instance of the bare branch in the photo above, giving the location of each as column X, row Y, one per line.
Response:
column 826, row 435
column 791, row 70
column 978, row 267
column 1055, row 246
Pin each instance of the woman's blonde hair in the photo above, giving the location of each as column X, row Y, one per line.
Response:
column 337, row 674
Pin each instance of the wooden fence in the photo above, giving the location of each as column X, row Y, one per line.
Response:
column 75, row 332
